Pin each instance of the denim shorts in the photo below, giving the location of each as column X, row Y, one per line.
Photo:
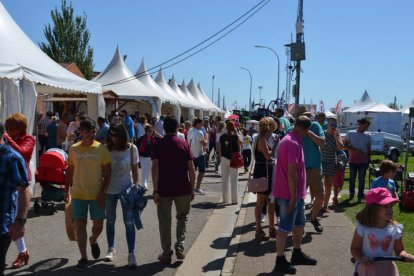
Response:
column 80, row 209
column 293, row 219
column 200, row 163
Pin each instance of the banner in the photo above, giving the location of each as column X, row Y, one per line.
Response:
column 338, row 107
column 321, row 106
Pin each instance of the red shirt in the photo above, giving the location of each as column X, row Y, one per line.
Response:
column 23, row 145
column 173, row 155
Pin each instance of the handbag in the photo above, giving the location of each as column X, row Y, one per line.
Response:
column 257, row 185
column 70, row 223
column 236, row 160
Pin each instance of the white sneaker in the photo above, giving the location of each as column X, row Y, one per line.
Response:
column 263, row 218
column 109, row 257
column 199, row 192
column 132, row 262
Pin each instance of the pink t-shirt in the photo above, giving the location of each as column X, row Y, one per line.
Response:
column 289, row 151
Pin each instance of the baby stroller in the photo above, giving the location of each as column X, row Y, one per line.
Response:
column 51, row 176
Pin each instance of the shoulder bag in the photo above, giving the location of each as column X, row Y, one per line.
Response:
column 236, row 160
column 257, row 185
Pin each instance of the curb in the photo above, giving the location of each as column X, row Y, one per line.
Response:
column 230, row 260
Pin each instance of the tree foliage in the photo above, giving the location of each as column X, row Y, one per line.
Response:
column 68, row 39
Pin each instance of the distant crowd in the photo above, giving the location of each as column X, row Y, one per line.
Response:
column 113, row 161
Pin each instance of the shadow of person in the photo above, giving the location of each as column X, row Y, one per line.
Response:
column 45, row 266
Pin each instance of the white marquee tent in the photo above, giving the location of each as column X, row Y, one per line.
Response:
column 187, row 93
column 353, row 114
column 25, row 70
column 384, row 118
column 186, row 108
column 143, row 76
column 213, row 105
column 118, row 78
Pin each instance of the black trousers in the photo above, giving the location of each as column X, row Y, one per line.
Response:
column 43, row 144
column 4, row 246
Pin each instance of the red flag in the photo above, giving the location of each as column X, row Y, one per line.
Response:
column 290, row 108
column 338, row 107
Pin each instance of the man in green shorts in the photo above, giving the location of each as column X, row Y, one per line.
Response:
column 88, row 176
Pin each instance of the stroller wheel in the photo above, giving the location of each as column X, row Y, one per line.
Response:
column 36, row 207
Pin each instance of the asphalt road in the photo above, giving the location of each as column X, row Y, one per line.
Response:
column 51, row 253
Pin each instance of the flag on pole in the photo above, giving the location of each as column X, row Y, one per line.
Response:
column 321, row 106
column 338, row 107
column 290, row 108
column 312, row 107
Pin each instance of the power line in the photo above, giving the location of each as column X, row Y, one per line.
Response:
column 252, row 11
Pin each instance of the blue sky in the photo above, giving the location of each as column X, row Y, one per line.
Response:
column 351, row 46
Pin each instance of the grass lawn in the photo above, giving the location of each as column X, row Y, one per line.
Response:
column 350, row 208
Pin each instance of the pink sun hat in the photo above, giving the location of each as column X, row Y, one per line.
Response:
column 380, row 196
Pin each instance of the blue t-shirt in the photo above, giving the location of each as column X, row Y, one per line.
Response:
column 13, row 173
column 384, row 183
column 102, row 133
column 311, row 150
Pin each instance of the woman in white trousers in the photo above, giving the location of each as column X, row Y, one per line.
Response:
column 230, row 142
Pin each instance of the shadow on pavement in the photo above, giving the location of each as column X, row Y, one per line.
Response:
column 215, row 265
column 207, row 205
column 97, row 267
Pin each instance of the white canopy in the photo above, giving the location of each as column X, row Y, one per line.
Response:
column 329, row 114
column 363, row 104
column 214, row 106
column 187, row 93
column 206, row 105
column 406, row 109
column 181, row 98
column 143, row 76
column 118, row 78
column 26, row 70
column 381, row 107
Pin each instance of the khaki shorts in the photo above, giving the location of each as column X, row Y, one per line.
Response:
column 314, row 182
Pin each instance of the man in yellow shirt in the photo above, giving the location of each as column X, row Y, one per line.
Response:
column 88, row 176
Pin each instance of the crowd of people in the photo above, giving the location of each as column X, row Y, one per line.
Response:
column 293, row 154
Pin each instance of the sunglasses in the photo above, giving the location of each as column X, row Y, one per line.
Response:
column 333, row 125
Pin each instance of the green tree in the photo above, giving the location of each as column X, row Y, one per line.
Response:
column 68, row 39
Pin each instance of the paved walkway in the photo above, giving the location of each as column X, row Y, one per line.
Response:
column 246, row 256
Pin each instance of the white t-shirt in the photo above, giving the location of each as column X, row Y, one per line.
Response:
column 180, row 135
column 218, row 134
column 194, row 138
column 141, row 130
column 379, row 242
column 121, row 177
column 247, row 142
column 159, row 127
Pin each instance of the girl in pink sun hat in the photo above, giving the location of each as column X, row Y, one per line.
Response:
column 378, row 235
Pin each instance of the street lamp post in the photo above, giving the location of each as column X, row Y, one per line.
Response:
column 260, row 95
column 212, row 89
column 250, row 97
column 278, row 68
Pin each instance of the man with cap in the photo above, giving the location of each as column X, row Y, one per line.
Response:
column 88, row 176
column 358, row 144
column 14, row 197
column 313, row 163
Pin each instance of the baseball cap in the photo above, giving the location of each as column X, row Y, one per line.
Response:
column 380, row 196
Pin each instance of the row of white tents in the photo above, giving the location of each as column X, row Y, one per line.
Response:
column 382, row 117
column 26, row 71
column 161, row 97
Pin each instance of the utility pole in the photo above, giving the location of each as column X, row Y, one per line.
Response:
column 297, row 51
column 224, row 101
column 260, row 95
column 218, row 98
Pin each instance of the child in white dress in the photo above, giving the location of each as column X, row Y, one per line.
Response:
column 378, row 235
